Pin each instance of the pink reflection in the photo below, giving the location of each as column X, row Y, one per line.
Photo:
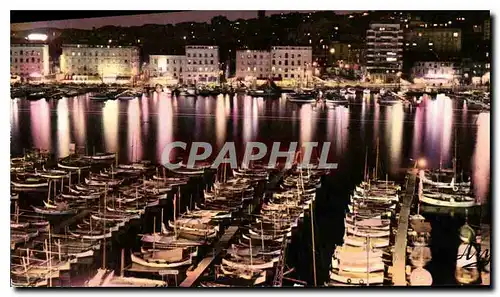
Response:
column 447, row 124
column 376, row 120
column 79, row 121
column 417, row 132
column 481, row 158
column 439, row 130
column 394, row 135
column 220, row 121
column 40, row 124
column 247, row 119
column 63, row 135
column 134, row 138
column 14, row 116
column 164, row 129
column 235, row 116
column 341, row 128
column 145, row 115
column 306, row 123
column 110, row 125
column 330, row 122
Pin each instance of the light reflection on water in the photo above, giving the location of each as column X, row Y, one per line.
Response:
column 481, row 159
column 63, row 133
column 143, row 127
column 40, row 124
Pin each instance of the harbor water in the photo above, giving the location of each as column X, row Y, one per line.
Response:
column 139, row 129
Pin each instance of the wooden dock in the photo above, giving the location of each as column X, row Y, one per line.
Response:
column 399, row 255
column 193, row 276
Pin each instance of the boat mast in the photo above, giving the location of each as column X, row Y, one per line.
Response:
column 455, row 158
column 376, row 162
column 365, row 173
column 367, row 260
column 313, row 247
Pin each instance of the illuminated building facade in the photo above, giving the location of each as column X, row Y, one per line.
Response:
column 291, row 62
column 384, row 52
column 99, row 60
column 436, row 73
column 201, row 64
column 170, row 66
column 29, row 60
column 439, row 40
column 253, row 64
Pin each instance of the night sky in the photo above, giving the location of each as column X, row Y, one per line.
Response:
column 26, row 20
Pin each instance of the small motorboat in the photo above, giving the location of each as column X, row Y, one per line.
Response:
column 302, row 96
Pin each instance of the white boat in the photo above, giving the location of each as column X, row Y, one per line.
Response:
column 351, row 91
column 362, row 267
column 427, row 179
column 447, row 201
column 378, row 242
column 252, row 267
column 357, row 278
column 159, row 263
column 366, row 92
column 343, row 92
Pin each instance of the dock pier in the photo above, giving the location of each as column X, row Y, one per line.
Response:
column 193, row 276
column 399, row 255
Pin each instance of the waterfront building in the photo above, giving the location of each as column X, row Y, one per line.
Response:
column 107, row 62
column 291, row 63
column 201, row 64
column 438, row 40
column 253, row 64
column 384, row 48
column 435, row 73
column 168, row 66
column 29, row 60
column 475, row 72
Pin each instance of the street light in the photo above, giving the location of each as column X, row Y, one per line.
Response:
column 332, row 51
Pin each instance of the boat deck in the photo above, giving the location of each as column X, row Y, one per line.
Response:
column 399, row 255
column 193, row 276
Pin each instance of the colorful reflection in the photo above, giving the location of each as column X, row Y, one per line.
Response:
column 134, row 134
column 394, row 135
column 40, row 124
column 110, row 126
column 63, row 133
column 481, row 158
column 341, row 129
column 145, row 115
column 78, row 120
column 164, row 129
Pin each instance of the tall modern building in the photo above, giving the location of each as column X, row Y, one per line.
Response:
column 384, row 52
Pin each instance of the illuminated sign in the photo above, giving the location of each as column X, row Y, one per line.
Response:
column 37, row 36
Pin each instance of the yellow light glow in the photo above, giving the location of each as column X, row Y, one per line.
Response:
column 422, row 163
